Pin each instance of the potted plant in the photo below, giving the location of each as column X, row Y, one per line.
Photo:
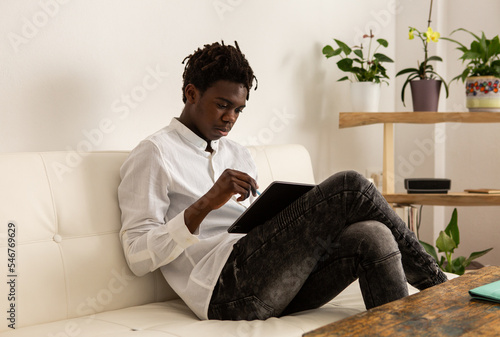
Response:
column 482, row 72
column 425, row 82
column 366, row 71
column 447, row 241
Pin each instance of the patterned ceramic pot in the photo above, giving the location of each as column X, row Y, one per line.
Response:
column 483, row 93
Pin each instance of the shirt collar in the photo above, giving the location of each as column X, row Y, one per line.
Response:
column 192, row 137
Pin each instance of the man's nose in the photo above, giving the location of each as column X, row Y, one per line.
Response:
column 230, row 116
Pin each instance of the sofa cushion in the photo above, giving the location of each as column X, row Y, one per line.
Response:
column 69, row 259
column 174, row 318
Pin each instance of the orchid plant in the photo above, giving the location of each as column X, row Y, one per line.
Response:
column 424, row 70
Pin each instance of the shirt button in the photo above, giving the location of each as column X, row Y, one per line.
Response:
column 57, row 238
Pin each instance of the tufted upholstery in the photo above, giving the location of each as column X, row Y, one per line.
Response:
column 71, row 275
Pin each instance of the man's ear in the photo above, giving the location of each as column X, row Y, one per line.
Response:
column 192, row 93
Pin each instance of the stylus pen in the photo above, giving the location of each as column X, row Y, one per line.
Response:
column 257, row 191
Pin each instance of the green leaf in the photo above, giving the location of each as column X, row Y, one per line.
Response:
column 430, row 250
column 407, row 70
column 383, row 42
column 465, row 30
column 452, row 228
column 459, row 261
column 445, row 243
column 442, row 262
column 494, row 47
column 328, row 51
column 465, row 74
column 458, row 265
column 445, row 85
column 484, row 46
column 475, row 255
column 345, row 48
column 358, row 70
column 475, row 47
column 382, row 58
column 359, row 53
column 345, row 78
column 408, row 80
column 435, row 58
column 455, row 41
column 471, row 55
column 345, row 64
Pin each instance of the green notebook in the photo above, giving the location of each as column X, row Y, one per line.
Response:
column 488, row 292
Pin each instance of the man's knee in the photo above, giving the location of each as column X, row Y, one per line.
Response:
column 374, row 237
column 346, row 180
column 354, row 178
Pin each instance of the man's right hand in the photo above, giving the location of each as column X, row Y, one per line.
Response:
column 231, row 182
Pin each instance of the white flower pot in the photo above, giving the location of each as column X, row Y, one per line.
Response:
column 365, row 96
column 483, row 93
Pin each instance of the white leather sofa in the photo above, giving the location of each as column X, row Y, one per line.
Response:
column 68, row 276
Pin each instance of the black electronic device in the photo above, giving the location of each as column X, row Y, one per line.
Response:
column 274, row 199
column 427, row 185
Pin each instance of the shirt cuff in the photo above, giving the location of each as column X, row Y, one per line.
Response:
column 180, row 233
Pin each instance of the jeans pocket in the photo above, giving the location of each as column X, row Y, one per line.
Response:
column 247, row 308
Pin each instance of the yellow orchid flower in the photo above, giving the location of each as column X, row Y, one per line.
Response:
column 432, row 35
column 411, row 34
column 435, row 37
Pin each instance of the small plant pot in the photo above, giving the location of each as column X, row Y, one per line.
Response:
column 482, row 93
column 425, row 94
column 365, row 96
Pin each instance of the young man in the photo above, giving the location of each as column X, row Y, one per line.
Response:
column 185, row 185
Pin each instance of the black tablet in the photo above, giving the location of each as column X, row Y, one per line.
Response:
column 276, row 197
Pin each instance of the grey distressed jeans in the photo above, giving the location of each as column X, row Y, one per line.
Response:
column 340, row 231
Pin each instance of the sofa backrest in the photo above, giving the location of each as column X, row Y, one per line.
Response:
column 59, row 241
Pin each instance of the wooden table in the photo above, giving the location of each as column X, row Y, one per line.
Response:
column 443, row 310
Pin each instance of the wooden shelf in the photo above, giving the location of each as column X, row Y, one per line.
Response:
column 450, row 199
column 352, row 119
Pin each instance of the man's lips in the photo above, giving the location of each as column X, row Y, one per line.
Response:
column 223, row 130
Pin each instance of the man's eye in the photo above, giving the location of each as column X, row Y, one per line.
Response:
column 239, row 111
column 221, row 106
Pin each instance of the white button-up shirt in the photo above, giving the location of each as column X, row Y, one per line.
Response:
column 165, row 174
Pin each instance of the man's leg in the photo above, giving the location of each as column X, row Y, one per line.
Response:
column 273, row 262
column 365, row 250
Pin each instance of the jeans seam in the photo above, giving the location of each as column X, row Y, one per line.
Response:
column 382, row 259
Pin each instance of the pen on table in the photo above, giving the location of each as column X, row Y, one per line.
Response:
column 257, row 191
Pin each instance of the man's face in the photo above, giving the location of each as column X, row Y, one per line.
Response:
column 216, row 110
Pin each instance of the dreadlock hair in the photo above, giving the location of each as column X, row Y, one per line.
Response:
column 217, row 62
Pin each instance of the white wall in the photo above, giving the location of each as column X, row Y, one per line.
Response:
column 77, row 74
column 83, row 64
column 472, row 151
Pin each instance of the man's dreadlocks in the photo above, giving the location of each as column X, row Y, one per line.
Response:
column 217, row 62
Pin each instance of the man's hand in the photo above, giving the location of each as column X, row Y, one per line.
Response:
column 231, row 182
